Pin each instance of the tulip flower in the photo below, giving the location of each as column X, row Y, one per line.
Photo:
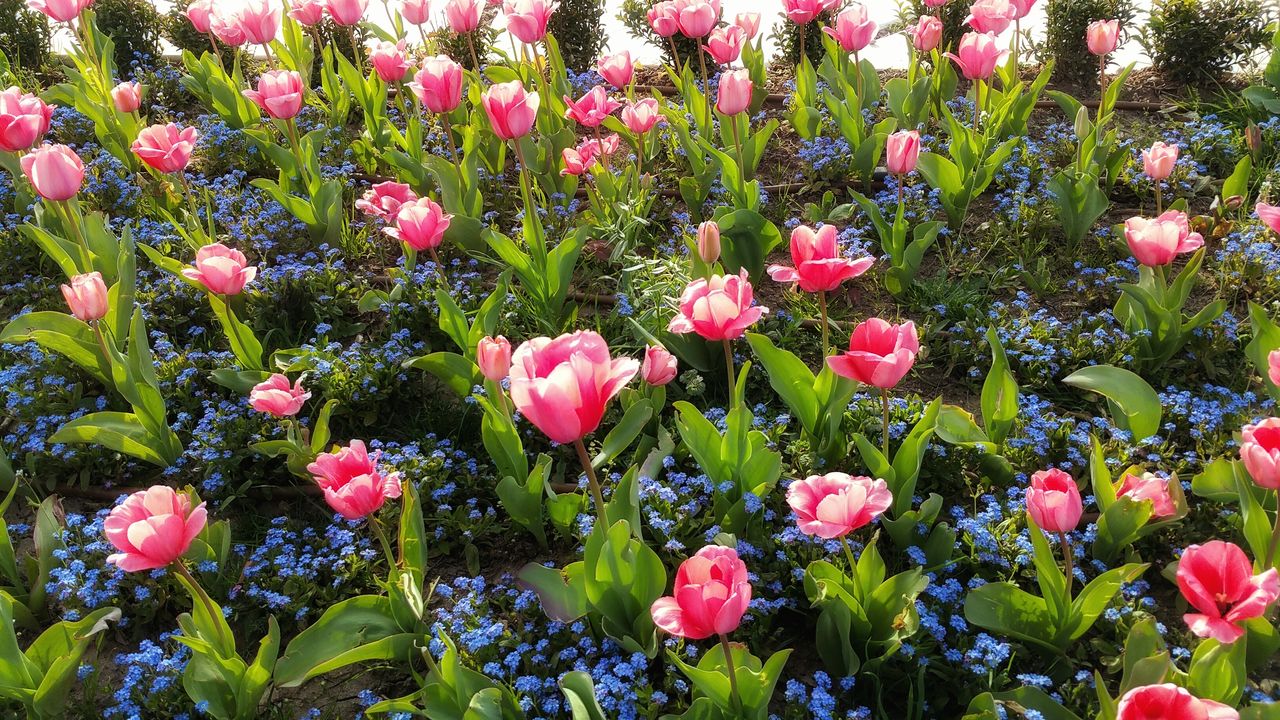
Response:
column 902, row 151
column 127, row 97
column 577, row 161
column 803, row 12
column 1021, row 8
column 733, row 94
column 438, row 86
column 834, row 505
column 55, row 171
column 724, row 45
column 527, row 19
column 639, row 117
column 224, row 26
column 710, row 596
column 222, row 270
column 259, row 20
column 385, row 198
column 664, row 19
column 1156, row 242
column 749, row 22
column 1217, row 579
column 1053, row 501
column 60, row 10
column 592, row 108
column 390, row 61
column 880, row 353
column 166, row 148
column 659, row 366
column 493, row 355
column 1268, row 214
column 719, row 308
column 152, row 528
column 1157, row 163
column 86, row 296
column 1260, row 445
column 420, row 224
column 352, row 483
column 1150, row 488
column 1102, row 37
column 616, row 69
column 709, row 242
column 200, row 14
column 1273, row 367
column 463, row 16
column 697, row 18
column 308, row 13
column 276, row 397
column 990, row 16
column 977, row 55
column 511, row 110
column 416, row 12
column 926, row 34
column 279, row 94
column 820, row 267
column 346, row 13
column 854, row 31
column 1170, row 702
column 24, row 120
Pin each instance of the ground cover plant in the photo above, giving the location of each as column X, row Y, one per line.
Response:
column 364, row 367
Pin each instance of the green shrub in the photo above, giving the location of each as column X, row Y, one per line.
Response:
column 634, row 15
column 178, row 30
column 577, row 29
column 24, row 35
column 135, row 27
column 788, row 34
column 1203, row 38
column 1066, row 22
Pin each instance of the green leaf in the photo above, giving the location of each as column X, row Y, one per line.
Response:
column 122, row 432
column 747, row 238
column 1217, row 672
column 624, row 433
column 457, row 372
column 1006, row 609
column 354, row 630
column 580, row 692
column 1135, row 407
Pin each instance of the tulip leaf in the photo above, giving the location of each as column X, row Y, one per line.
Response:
column 1135, row 407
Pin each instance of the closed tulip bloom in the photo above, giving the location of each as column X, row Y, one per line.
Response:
column 1149, row 487
column 222, row 270
column 854, row 30
column 710, row 596
column 1102, row 36
column 127, row 97
column 307, row 12
column 1273, row 367
column 926, row 34
column 1217, row 579
column 717, row 309
column 1170, row 702
column 276, row 397
column 902, row 151
column 819, row 264
column 1268, row 214
column 641, row 116
column 1260, row 445
column 659, row 366
column 709, row 242
column 664, row 18
column 511, row 110
column 1156, row 242
column 991, row 16
column 527, row 19
column 463, row 15
column 60, row 10
column 438, row 85
column 200, row 14
column 977, row 55
column 935, row 3
column 351, row 481
column 346, row 12
column 802, row 12
column 724, row 45
column 605, row 146
column 227, row 29
column 834, row 505
column 55, row 171
column 86, row 296
column 564, row 385
column 24, row 119
column 152, row 528
column 1053, row 501
column 384, row 199
column 733, row 94
column 749, row 22
column 420, row 224
column 416, row 12
column 166, row 148
column 616, row 69
column 1021, row 8
column 1158, row 160
column 592, row 108
column 697, row 18
column 279, row 94
column 259, row 20
column 493, row 355
column 880, row 353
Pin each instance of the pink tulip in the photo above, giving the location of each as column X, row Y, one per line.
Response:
column 222, row 270
column 390, row 61
column 1151, row 488
column 616, row 69
column 1158, row 161
column 384, row 199
column 935, row 3
column 259, row 20
column 664, row 18
column 1217, row 579
column 200, row 13
column 352, row 484
column 733, row 94
column 1170, row 702
column 493, row 355
column 226, row 28
column 802, row 12
column 592, row 109
column 926, row 34
column 279, row 94
column 1053, row 501
column 749, row 22
column 1021, row 8
column 854, row 30
column 1156, row 242
column 24, row 119
column 819, row 265
column 276, row 397
column 724, row 45
column 420, row 224
column 55, row 171
column 346, row 12
column 87, row 297
column 836, row 504
column 1268, row 214
column 527, row 19
column 902, row 150
column 717, row 309
column 438, row 85
column 697, row 17
column 166, row 148
column 709, row 242
column 600, row 148
column 577, row 161
column 1273, row 367
column 1260, row 444
column 991, row 16
column 880, row 353
column 60, row 10
column 563, row 385
column 641, row 116
column 977, row 55
column 659, row 366
column 1102, row 36
column 710, row 596
column 463, row 15
column 127, row 97
column 152, row 528
column 416, row 12
column 511, row 110
column 307, row 12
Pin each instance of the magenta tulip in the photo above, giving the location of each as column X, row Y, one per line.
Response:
column 711, row 594
column 1053, row 501
column 1217, row 579
column 819, row 264
column 420, row 224
column 276, row 397
column 351, row 481
column 152, row 528
column 718, row 308
column 511, row 110
column 1170, row 702
column 977, row 55
column 880, row 353
column 1260, row 444
column 493, row 355
column 60, row 10
column 24, row 120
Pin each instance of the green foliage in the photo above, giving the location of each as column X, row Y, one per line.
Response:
column 1203, row 39
column 1065, row 24
column 24, row 35
column 1267, row 93
column 714, row 695
column 577, row 28
column 177, row 29
column 134, row 25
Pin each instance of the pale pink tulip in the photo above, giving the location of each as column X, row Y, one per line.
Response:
column 511, row 110
column 697, row 17
column 1102, row 36
column 307, row 12
column 1273, row 367
column 664, row 18
column 802, row 12
column 127, row 97
column 152, row 528
column 55, row 171
column 564, row 385
column 167, row 148
column 86, row 296
column 420, row 224
column 259, row 20
column 346, row 13
column 659, row 366
column 463, row 15
column 222, row 270
column 926, row 34
column 749, row 22
column 1053, row 501
column 200, row 14
column 493, row 355
column 834, row 505
column 527, row 19
column 854, row 30
column 592, row 108
column 279, row 94
column 1149, row 487
column 384, row 199
column 977, row 55
column 60, row 10
column 276, row 397
column 724, row 45
column 1260, row 444
column 733, row 93
column 24, row 120
column 1156, row 242
column 641, row 116
column 991, row 16
column 616, row 69
column 390, row 61
column 1021, row 8
column 902, row 151
column 1158, row 160
column 1268, row 214
column 438, row 85
column 416, row 12
column 709, row 242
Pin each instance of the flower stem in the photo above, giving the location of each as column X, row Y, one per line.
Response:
column 1273, row 545
column 1067, row 562
column 822, row 308
column 383, row 541
column 209, row 604
column 884, row 397
column 848, row 555
column 706, row 83
column 728, row 365
column 596, row 493
column 734, row 695
column 471, row 45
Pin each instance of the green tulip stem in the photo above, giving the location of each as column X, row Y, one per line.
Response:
column 728, row 365
column 1067, row 562
column 826, row 340
column 379, row 533
column 203, row 597
column 1273, row 545
column 734, row 695
column 884, row 398
column 597, row 494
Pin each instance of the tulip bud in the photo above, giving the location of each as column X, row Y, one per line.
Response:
column 659, row 366
column 86, row 296
column 127, row 97
column 1253, row 138
column 709, row 242
column 493, row 355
